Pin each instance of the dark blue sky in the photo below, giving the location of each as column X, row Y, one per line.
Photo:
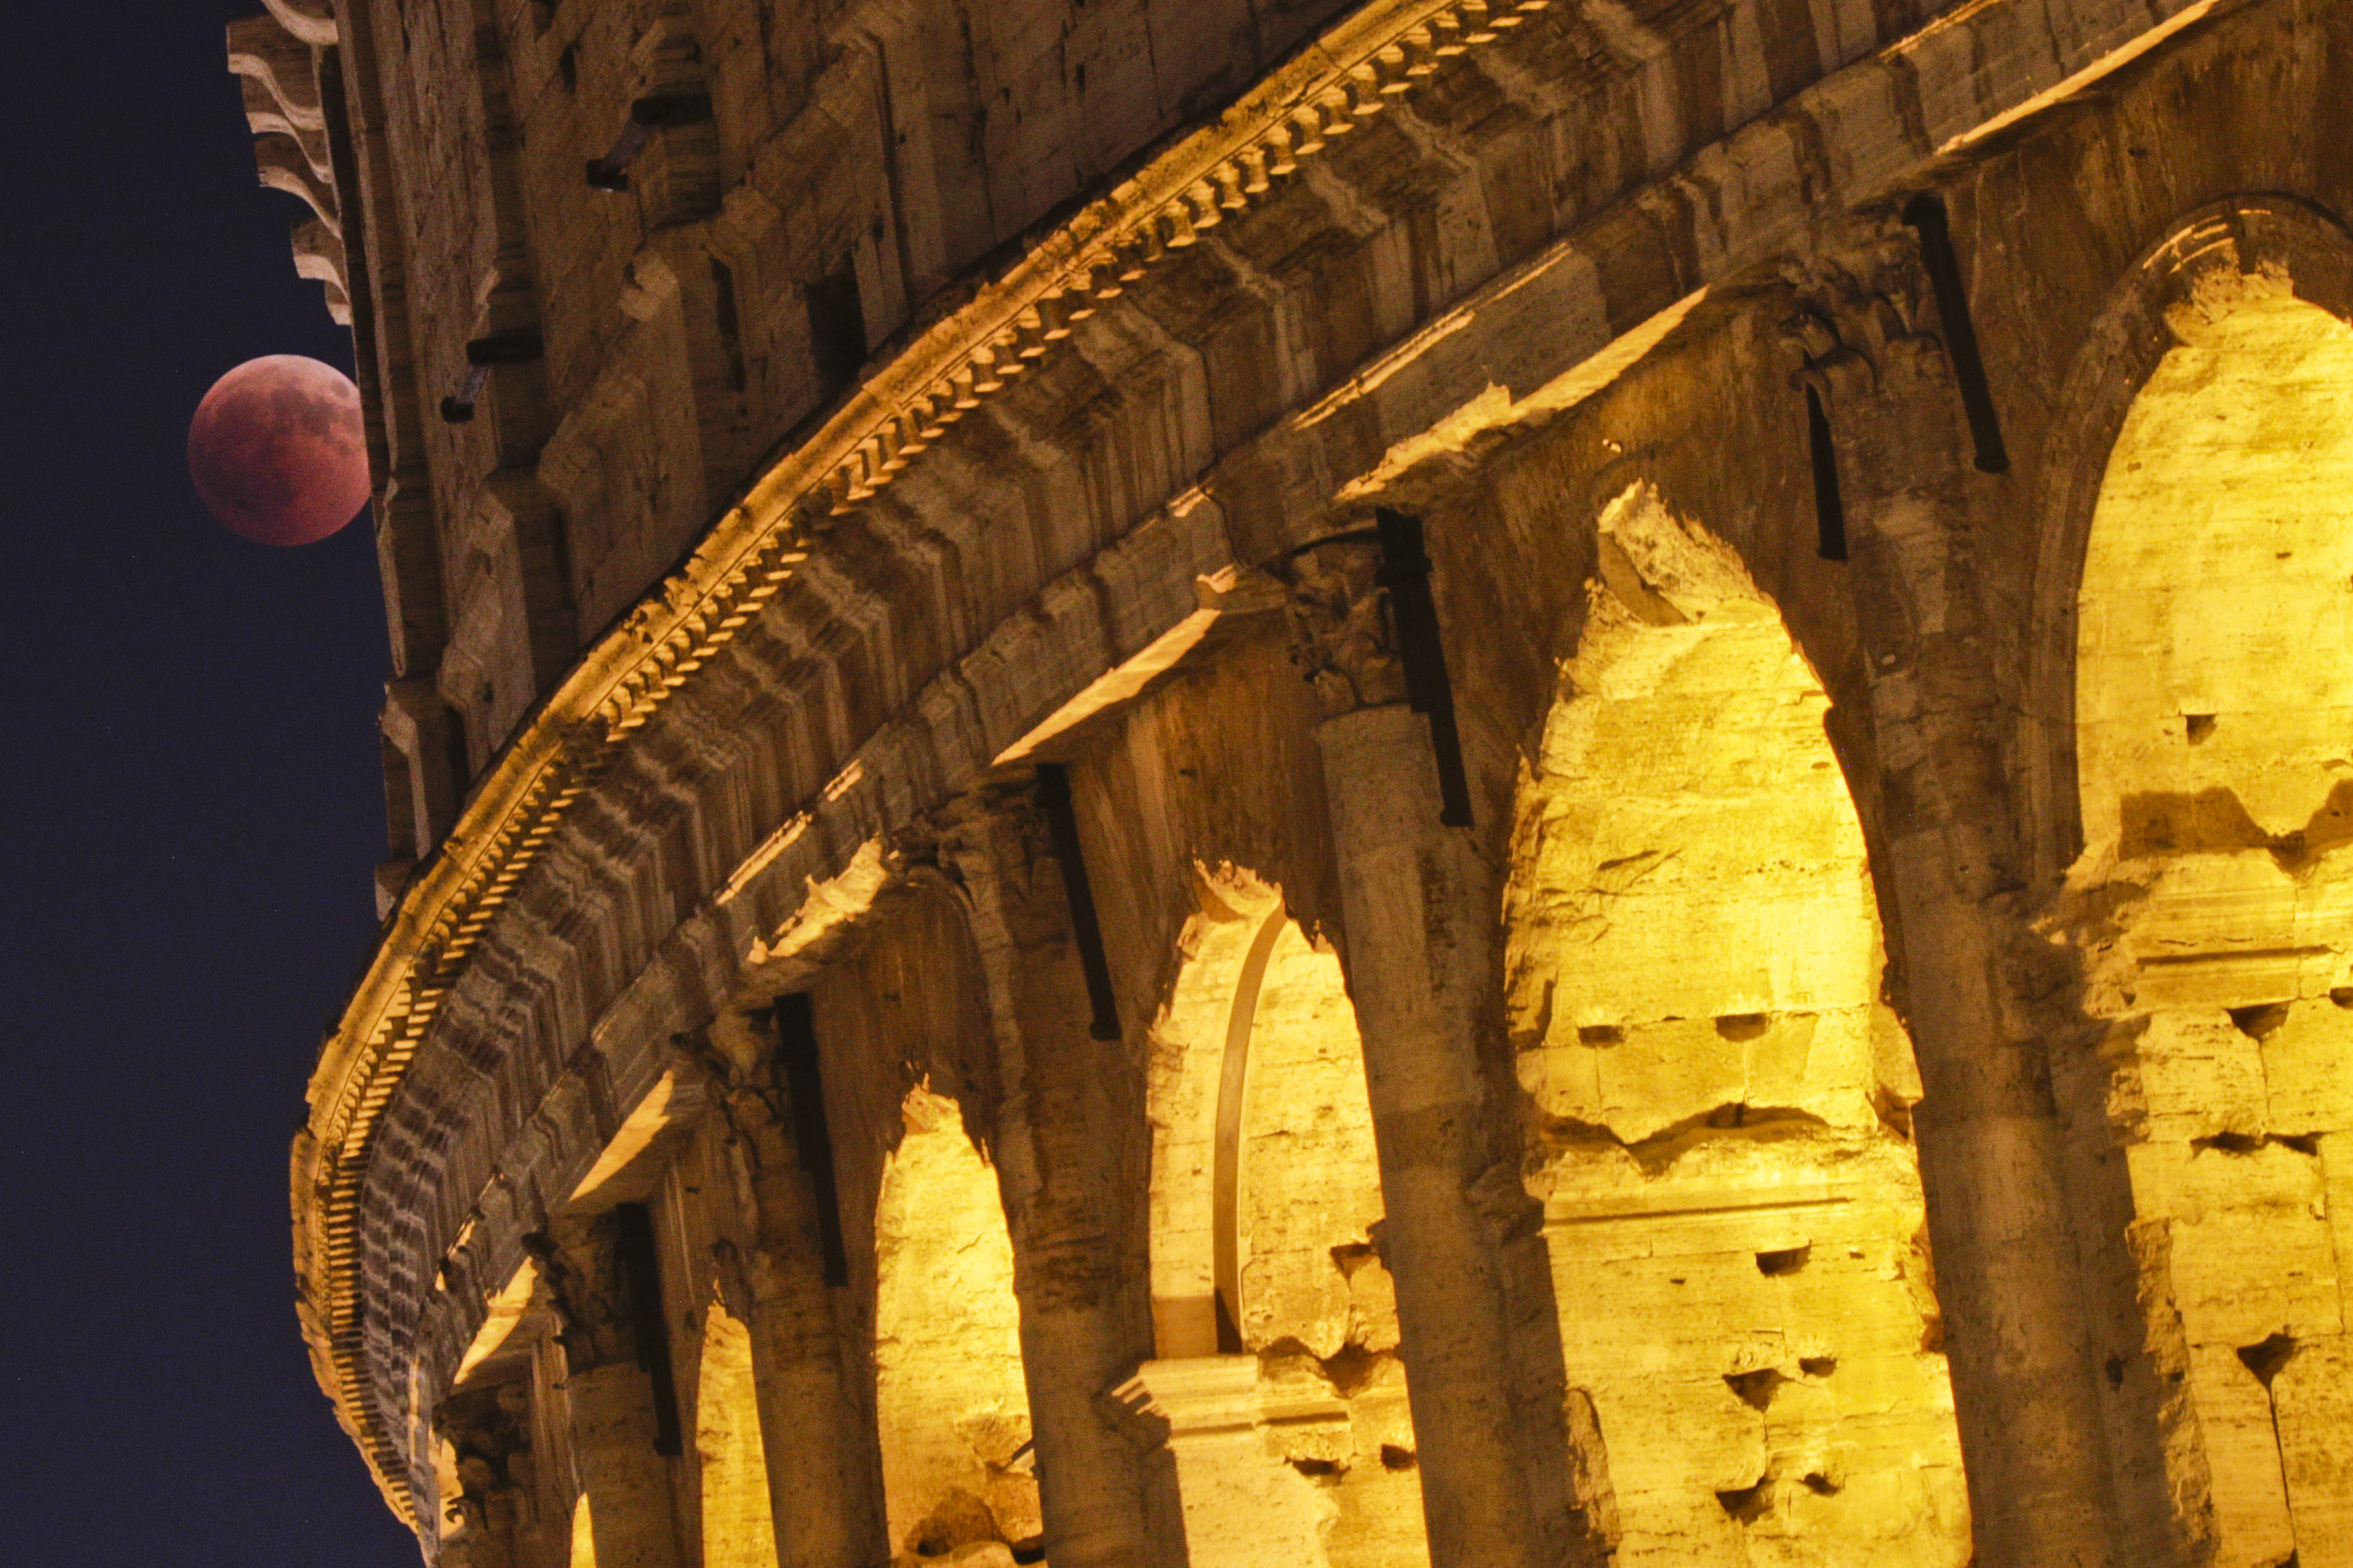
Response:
column 190, row 793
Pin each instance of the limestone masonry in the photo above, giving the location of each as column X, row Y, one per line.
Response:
column 1271, row 783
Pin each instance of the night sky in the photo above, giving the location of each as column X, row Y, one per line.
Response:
column 192, row 801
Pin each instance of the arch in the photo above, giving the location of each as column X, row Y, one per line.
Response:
column 584, row 1536
column 1263, row 1160
column 1308, row 1197
column 1234, row 1082
column 1276, row 1322
column 2213, row 699
column 1201, row 1042
column 738, row 1531
column 950, row 1401
column 1720, row 1100
column 2260, row 234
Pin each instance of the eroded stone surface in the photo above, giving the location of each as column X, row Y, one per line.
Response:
column 1296, row 1441
column 2211, row 709
column 1695, row 978
column 949, row 1396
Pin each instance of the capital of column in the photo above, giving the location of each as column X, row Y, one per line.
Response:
column 987, row 831
column 1344, row 639
column 1859, row 328
column 779, row 1159
column 489, row 1431
column 580, row 1274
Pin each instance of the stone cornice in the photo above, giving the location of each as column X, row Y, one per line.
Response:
column 1383, row 51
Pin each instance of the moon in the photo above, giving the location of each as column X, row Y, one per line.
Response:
column 278, row 451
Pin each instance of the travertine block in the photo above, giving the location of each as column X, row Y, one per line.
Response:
column 1778, row 1272
column 2242, row 1459
column 2308, row 1065
column 2313, row 1395
column 2337, row 1185
column 2252, row 1250
column 2194, row 1074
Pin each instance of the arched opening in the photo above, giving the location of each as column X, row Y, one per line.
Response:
column 1721, row 1138
column 1276, row 1321
column 950, row 1402
column 738, row 1531
column 2214, row 707
column 584, row 1536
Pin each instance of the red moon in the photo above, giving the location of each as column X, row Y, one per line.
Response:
column 278, row 451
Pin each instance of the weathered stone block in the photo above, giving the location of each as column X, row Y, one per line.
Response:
column 2313, row 1395
column 2253, row 1254
column 2307, row 1059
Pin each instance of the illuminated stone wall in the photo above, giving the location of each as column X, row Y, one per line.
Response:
column 737, row 1529
column 950, row 1407
column 1275, row 1318
column 1722, row 1132
column 2213, row 701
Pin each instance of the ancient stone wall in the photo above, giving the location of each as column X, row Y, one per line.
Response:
column 581, row 364
column 1549, row 784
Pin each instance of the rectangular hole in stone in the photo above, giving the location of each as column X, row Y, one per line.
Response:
column 2260, row 1020
column 2229, row 1143
column 2265, row 1359
column 1745, row 1503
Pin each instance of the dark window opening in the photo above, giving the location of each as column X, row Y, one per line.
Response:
column 731, row 330
column 836, row 323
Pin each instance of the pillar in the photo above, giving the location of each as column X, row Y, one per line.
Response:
column 612, row 1397
column 1461, row 1238
column 488, row 1523
column 824, row 1475
column 1973, row 980
column 1073, row 1167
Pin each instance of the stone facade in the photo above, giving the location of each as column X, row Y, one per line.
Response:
column 1488, row 783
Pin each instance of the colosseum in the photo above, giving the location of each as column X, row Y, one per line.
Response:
column 1286, row 784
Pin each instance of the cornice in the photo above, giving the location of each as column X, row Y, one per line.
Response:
column 1382, row 52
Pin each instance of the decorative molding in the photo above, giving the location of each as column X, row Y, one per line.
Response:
column 312, row 21
column 1343, row 641
column 276, row 55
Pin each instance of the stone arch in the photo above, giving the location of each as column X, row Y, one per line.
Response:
column 951, row 1405
column 2262, row 236
column 1276, row 1322
column 584, row 1536
column 1720, row 1099
column 2213, row 702
column 738, row 1530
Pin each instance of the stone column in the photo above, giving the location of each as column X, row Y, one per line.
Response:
column 1073, row 1166
column 1975, row 981
column 617, row 1429
column 1461, row 1237
column 825, row 1475
column 488, row 1430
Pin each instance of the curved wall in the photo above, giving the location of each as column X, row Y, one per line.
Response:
column 1491, row 266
